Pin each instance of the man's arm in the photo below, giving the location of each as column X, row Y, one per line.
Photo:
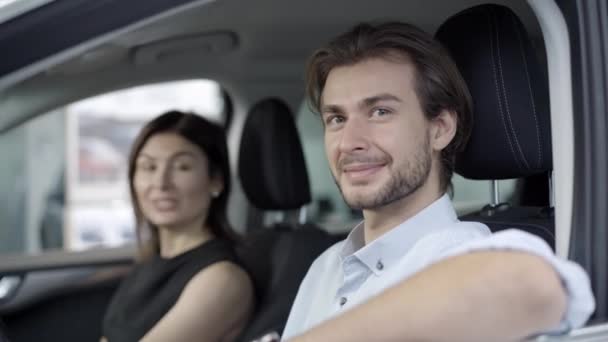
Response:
column 479, row 296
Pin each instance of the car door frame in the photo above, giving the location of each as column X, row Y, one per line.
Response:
column 587, row 33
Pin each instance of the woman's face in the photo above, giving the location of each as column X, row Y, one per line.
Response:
column 172, row 182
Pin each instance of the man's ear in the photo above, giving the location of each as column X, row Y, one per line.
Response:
column 443, row 129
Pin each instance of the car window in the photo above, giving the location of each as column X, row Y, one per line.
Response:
column 63, row 183
column 328, row 209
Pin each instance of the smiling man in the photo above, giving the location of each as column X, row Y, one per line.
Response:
column 395, row 112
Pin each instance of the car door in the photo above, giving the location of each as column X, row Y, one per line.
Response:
column 588, row 28
column 47, row 290
column 587, row 32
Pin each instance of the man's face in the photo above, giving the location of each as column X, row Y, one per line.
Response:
column 377, row 139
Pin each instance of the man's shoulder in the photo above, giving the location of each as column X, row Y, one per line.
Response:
column 459, row 232
column 315, row 293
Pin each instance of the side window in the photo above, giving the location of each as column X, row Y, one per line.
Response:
column 64, row 180
column 328, row 208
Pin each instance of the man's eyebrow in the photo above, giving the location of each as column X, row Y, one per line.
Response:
column 365, row 103
column 372, row 100
column 331, row 109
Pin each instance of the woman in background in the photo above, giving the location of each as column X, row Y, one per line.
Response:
column 188, row 284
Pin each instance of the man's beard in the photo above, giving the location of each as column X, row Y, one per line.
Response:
column 402, row 182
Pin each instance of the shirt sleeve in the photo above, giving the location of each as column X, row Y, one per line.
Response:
column 580, row 302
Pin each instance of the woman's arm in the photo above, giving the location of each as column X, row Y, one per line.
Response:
column 215, row 305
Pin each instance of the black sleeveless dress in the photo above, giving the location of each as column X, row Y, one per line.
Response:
column 153, row 287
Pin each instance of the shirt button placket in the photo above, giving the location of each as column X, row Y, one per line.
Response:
column 379, row 265
column 343, row 301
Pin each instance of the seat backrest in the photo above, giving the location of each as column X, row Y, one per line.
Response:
column 3, row 337
column 511, row 136
column 274, row 177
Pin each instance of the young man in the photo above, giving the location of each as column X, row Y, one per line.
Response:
column 395, row 112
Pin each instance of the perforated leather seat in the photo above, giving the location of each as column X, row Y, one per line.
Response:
column 511, row 135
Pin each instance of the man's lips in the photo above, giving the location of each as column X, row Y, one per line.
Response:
column 361, row 167
column 357, row 172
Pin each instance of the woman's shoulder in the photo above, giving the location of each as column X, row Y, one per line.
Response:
column 223, row 267
column 223, row 283
column 225, row 273
column 222, row 294
column 215, row 257
column 215, row 249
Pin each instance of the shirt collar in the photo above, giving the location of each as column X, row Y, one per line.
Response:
column 392, row 245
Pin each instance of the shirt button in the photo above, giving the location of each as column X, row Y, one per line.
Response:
column 343, row 301
column 379, row 265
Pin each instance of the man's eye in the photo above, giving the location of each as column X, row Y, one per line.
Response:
column 381, row 112
column 334, row 119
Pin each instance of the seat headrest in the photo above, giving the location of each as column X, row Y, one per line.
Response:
column 271, row 162
column 511, row 135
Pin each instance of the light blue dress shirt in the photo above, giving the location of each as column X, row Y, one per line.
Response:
column 350, row 272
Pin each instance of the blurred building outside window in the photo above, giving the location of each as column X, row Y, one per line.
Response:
column 64, row 183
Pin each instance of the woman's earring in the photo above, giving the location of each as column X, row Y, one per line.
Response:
column 215, row 194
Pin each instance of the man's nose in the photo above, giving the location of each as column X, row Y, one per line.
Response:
column 355, row 136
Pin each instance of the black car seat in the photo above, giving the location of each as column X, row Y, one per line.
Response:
column 511, row 135
column 274, row 178
column 3, row 337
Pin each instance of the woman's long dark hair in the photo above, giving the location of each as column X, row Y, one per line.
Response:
column 211, row 139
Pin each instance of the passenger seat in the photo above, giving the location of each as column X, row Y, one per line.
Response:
column 274, row 178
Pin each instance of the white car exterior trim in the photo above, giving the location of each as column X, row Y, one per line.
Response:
column 557, row 43
column 10, row 9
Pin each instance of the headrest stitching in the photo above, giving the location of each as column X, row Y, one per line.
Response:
column 502, row 80
column 532, row 98
column 499, row 98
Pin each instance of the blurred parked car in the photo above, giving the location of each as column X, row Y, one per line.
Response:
column 101, row 225
column 99, row 161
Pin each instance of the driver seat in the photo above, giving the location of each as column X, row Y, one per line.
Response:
column 511, row 136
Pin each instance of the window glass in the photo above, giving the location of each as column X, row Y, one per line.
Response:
column 328, row 208
column 64, row 180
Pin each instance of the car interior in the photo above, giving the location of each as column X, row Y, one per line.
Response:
column 257, row 52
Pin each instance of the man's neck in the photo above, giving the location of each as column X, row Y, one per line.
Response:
column 381, row 220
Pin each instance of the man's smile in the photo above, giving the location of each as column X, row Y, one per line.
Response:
column 359, row 172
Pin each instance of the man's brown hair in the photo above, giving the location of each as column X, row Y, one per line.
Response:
column 438, row 83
